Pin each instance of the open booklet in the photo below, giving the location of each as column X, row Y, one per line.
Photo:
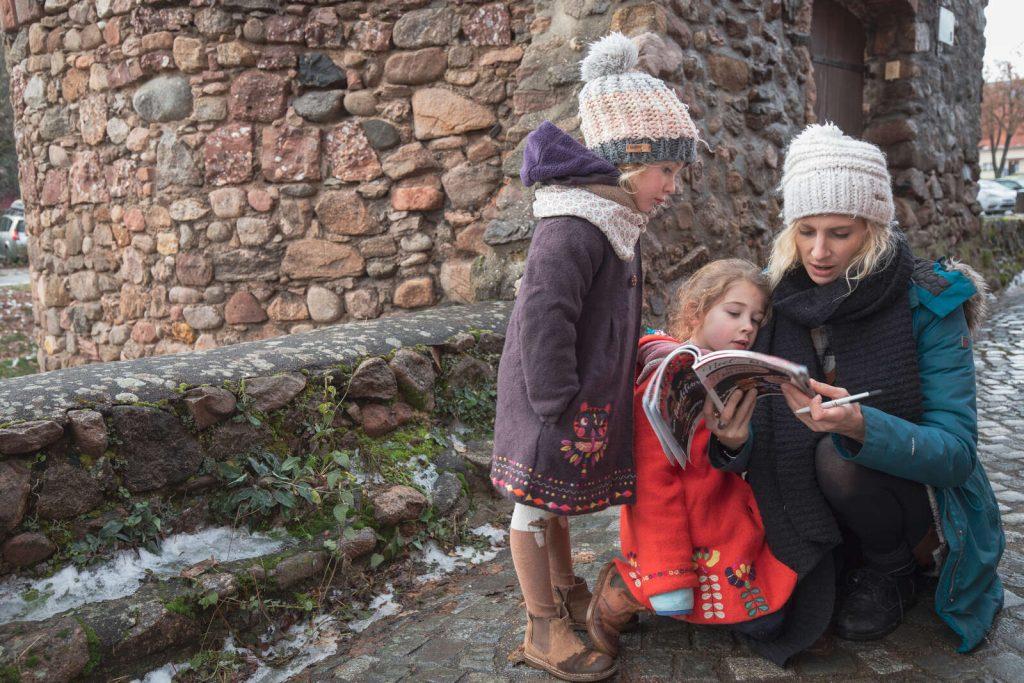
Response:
column 674, row 397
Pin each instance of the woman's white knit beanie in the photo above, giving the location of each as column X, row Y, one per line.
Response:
column 827, row 172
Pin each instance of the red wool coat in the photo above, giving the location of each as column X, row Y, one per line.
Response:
column 697, row 528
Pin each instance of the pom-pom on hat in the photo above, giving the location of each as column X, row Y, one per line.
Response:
column 827, row 172
column 628, row 116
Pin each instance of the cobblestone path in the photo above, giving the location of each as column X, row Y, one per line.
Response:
column 464, row 629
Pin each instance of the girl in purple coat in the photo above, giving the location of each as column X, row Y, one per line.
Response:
column 564, row 428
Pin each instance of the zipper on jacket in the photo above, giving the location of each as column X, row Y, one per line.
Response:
column 952, row 575
column 959, row 556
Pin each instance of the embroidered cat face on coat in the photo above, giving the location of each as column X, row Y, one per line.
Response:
column 591, row 430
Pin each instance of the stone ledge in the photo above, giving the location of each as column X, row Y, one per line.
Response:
column 49, row 395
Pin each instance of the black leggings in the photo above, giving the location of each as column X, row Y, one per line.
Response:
column 887, row 514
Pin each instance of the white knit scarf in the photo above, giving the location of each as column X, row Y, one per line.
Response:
column 621, row 225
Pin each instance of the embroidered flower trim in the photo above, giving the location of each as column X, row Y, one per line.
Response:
column 639, row 578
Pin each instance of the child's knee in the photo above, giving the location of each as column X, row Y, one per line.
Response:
column 532, row 520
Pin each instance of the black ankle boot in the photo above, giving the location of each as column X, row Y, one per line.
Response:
column 875, row 603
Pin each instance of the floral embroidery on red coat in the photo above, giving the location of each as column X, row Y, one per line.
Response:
column 710, row 602
column 590, row 428
column 638, row 578
column 742, row 577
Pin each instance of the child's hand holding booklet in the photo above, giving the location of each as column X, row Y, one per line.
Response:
column 675, row 395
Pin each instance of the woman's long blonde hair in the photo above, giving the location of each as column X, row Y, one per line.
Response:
column 702, row 290
column 877, row 251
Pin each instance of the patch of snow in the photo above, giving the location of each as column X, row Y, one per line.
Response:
column 475, row 555
column 164, row 674
column 424, row 474
column 23, row 599
column 442, row 563
column 229, row 644
column 363, row 477
column 492, row 533
column 301, row 646
column 383, row 605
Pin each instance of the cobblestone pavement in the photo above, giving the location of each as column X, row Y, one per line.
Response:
column 465, row 628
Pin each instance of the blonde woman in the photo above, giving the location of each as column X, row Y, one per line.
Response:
column 897, row 475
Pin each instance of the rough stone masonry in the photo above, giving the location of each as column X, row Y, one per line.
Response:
column 203, row 173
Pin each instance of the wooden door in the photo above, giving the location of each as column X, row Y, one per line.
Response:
column 837, row 51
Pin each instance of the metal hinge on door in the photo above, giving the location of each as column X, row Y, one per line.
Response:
column 848, row 66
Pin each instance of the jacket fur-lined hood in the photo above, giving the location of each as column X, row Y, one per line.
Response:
column 944, row 286
column 975, row 308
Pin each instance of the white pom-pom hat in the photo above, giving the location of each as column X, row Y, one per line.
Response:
column 827, row 172
column 628, row 116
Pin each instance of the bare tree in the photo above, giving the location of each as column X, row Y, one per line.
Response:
column 1002, row 112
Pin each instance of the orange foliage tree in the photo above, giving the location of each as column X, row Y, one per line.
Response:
column 1002, row 112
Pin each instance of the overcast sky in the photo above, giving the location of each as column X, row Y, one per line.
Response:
column 1004, row 32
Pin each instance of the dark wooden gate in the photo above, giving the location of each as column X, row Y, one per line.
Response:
column 837, row 50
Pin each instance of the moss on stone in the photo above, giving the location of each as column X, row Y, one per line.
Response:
column 388, row 455
column 95, row 650
column 270, row 562
column 183, row 605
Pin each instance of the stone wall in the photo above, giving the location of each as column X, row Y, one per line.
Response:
column 745, row 70
column 208, row 174
column 925, row 114
column 80, row 447
column 204, row 174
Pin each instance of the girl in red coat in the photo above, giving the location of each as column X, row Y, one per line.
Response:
column 694, row 543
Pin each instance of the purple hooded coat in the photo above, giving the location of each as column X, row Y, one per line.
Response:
column 563, row 435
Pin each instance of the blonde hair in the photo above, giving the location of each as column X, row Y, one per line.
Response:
column 630, row 171
column 876, row 252
column 702, row 290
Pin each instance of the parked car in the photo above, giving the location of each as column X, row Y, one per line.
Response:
column 995, row 197
column 13, row 236
column 1012, row 183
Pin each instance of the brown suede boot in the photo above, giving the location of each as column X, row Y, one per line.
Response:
column 575, row 599
column 611, row 609
column 552, row 646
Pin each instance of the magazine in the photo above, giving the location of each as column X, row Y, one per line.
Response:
column 674, row 397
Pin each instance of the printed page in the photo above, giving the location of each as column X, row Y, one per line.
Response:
column 724, row 372
column 671, row 400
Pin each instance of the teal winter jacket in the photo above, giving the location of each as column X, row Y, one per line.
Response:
column 940, row 450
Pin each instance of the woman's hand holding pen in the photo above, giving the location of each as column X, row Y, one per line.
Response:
column 846, row 419
column 732, row 426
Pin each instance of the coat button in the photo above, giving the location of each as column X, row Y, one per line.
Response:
column 633, row 280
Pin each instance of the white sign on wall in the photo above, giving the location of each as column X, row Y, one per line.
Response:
column 947, row 23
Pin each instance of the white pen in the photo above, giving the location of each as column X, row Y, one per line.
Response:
column 840, row 401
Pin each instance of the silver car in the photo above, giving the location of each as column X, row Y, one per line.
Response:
column 13, row 236
column 996, row 198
